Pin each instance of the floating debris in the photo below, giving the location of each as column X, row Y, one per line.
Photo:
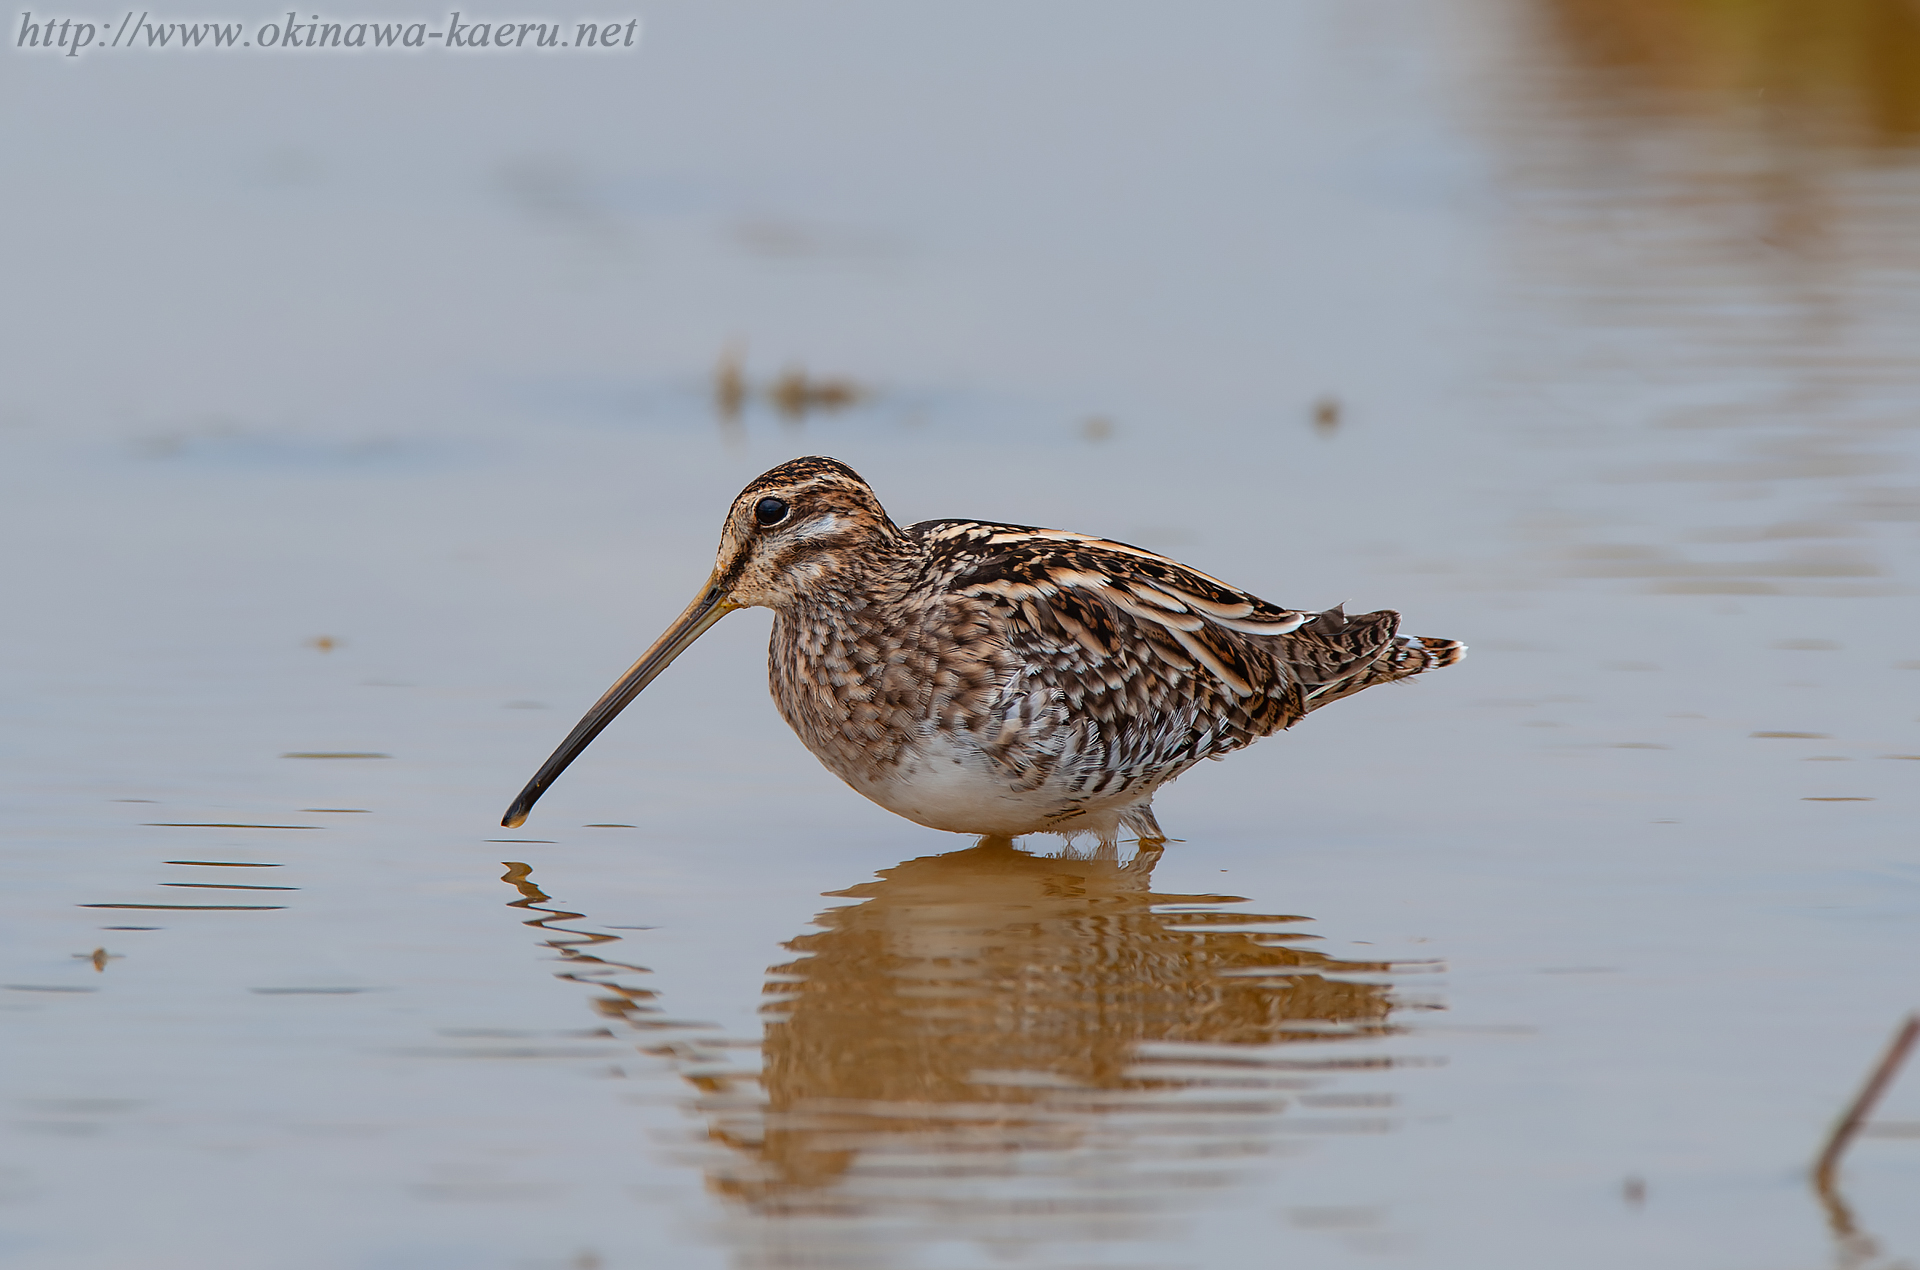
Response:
column 794, row 393
column 1326, row 416
column 729, row 385
column 1827, row 1168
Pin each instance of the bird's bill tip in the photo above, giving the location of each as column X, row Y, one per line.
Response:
column 707, row 608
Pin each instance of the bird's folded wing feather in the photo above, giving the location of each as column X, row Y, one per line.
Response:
column 1132, row 639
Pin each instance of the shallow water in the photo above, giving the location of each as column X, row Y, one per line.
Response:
column 361, row 424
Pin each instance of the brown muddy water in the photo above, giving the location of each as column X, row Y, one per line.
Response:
column 363, row 416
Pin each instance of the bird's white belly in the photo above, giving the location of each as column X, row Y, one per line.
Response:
column 946, row 783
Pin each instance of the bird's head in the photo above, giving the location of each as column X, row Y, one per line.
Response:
column 797, row 530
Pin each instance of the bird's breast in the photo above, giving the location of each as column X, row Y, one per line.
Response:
column 860, row 685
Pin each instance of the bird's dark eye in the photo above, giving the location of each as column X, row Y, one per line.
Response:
column 770, row 511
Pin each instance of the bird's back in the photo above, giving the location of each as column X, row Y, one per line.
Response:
column 1128, row 667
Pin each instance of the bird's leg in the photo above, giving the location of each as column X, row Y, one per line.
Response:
column 1152, row 837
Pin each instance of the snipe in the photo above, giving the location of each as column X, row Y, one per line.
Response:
column 1000, row 679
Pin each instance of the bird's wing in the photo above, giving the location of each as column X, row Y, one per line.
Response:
column 1164, row 659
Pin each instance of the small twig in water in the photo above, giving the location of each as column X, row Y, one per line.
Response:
column 1856, row 1115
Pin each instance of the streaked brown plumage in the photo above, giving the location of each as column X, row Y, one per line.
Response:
column 1001, row 679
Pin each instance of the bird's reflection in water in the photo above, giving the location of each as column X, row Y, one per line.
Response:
column 1003, row 1050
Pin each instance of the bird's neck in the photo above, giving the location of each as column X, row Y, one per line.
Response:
column 874, row 578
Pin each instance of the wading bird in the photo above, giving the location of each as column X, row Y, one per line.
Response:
column 1000, row 679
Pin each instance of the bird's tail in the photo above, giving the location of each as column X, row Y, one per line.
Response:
column 1417, row 654
column 1393, row 658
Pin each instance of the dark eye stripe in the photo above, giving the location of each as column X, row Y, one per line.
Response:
column 770, row 511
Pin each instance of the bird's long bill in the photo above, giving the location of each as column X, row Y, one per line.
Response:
column 689, row 626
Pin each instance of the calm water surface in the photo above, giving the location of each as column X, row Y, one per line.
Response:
column 361, row 422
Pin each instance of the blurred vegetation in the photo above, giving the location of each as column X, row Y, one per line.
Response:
column 1841, row 69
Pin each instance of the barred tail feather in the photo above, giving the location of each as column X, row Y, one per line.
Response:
column 1404, row 658
column 1416, row 654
